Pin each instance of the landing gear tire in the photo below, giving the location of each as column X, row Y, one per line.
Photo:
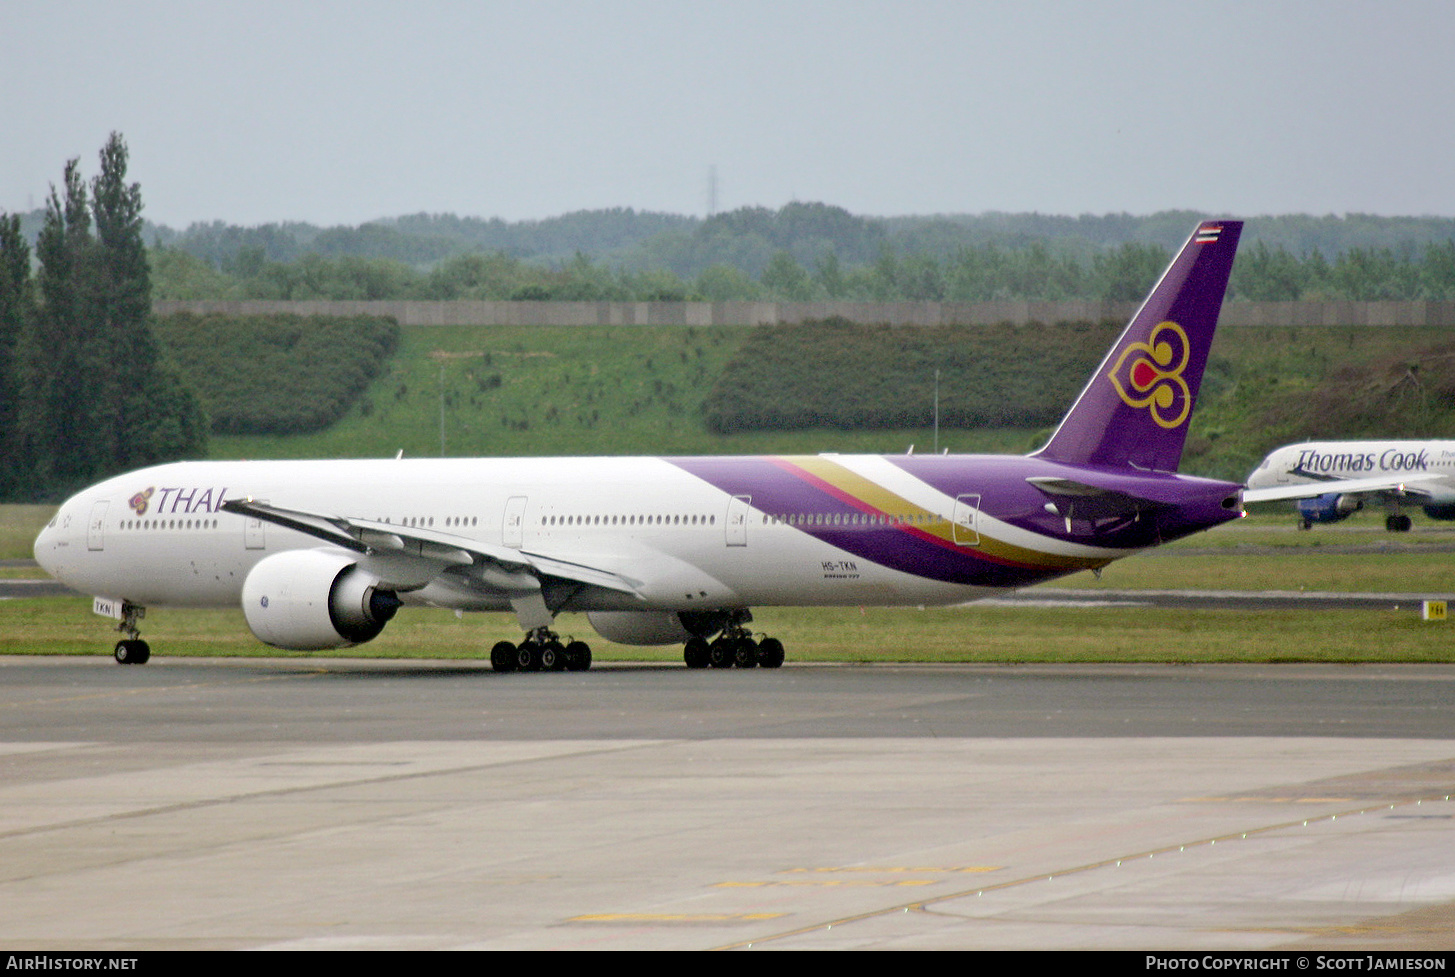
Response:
column 696, row 653
column 553, row 657
column 578, row 656
column 720, row 653
column 541, row 651
column 1397, row 524
column 502, row 657
column 745, row 653
column 528, row 657
column 770, row 653
column 131, row 651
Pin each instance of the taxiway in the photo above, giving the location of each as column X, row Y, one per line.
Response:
column 330, row 803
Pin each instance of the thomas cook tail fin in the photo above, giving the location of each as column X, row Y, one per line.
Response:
column 1136, row 407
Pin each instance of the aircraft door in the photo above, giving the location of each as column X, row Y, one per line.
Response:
column 96, row 528
column 513, row 532
column 967, row 508
column 737, row 520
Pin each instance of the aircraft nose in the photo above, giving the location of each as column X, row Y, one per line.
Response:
column 50, row 544
column 44, row 544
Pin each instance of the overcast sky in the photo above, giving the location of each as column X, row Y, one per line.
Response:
column 338, row 113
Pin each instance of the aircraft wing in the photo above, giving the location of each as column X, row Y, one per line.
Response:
column 433, row 550
column 1405, row 487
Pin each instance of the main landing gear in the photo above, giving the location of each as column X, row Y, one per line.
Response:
column 1397, row 523
column 131, row 650
column 734, row 647
column 541, row 651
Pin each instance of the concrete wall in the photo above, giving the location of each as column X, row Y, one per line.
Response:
column 753, row 313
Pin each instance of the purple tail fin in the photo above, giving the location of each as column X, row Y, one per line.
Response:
column 1136, row 408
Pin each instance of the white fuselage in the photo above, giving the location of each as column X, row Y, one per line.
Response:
column 158, row 537
column 1333, row 461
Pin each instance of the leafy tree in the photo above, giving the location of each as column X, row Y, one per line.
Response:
column 829, row 276
column 1268, row 275
column 176, row 274
column 921, row 279
column 1127, row 273
column 785, row 279
column 1437, row 271
column 724, row 283
column 16, row 304
column 97, row 399
column 481, row 276
column 54, row 408
column 1375, row 275
column 656, row 285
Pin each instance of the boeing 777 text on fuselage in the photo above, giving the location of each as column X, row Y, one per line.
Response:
column 321, row 554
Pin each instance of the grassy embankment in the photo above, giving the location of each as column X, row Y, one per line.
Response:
column 639, row 389
column 523, row 391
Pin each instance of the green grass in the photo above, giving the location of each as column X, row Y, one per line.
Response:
column 1262, row 552
column 1268, row 552
column 19, row 525
column 1297, row 570
column 65, row 626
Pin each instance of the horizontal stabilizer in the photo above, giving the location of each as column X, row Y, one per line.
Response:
column 1079, row 500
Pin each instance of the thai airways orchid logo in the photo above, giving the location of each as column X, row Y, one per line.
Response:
column 1150, row 375
column 139, row 501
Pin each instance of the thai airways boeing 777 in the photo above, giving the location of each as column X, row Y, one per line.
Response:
column 321, row 554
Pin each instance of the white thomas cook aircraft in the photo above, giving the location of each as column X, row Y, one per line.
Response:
column 1331, row 480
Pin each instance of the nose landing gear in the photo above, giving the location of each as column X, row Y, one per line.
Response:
column 131, row 650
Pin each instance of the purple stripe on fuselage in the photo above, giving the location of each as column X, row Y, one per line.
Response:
column 778, row 487
column 1186, row 504
column 857, row 504
column 1183, row 505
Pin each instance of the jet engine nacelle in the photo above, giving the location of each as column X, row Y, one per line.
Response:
column 656, row 627
column 308, row 600
column 1440, row 510
column 639, row 627
column 1329, row 508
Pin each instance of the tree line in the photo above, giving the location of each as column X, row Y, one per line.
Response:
column 802, row 251
column 84, row 392
column 990, row 272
